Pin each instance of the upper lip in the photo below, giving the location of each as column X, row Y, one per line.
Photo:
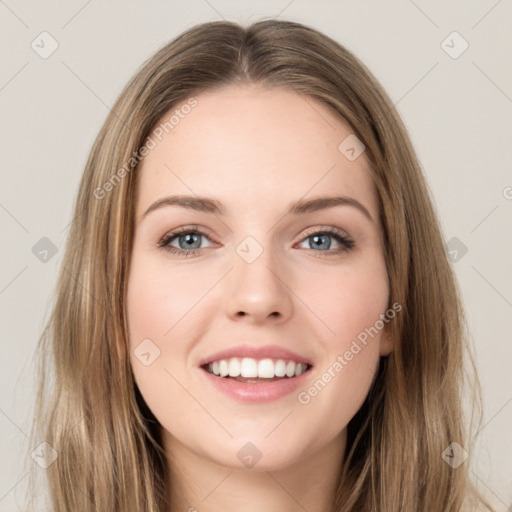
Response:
column 256, row 352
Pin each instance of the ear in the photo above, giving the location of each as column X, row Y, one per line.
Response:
column 386, row 341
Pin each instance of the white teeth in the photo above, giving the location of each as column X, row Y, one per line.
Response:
column 266, row 369
column 263, row 369
column 280, row 368
column 249, row 367
column 223, row 368
column 234, row 367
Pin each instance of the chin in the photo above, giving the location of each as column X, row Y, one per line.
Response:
column 260, row 454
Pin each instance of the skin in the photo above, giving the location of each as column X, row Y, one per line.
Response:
column 255, row 150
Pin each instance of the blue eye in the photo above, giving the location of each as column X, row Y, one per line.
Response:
column 189, row 241
column 321, row 239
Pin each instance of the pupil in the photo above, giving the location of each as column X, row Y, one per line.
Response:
column 316, row 238
column 189, row 239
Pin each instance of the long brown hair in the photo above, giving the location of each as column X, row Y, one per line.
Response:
column 109, row 454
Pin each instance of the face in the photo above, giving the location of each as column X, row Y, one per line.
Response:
column 247, row 272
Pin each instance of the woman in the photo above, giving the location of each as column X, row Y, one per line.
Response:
column 254, row 372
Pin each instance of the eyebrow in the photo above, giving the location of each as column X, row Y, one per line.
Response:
column 300, row 207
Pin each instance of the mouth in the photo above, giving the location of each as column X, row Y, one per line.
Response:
column 256, row 371
column 247, row 385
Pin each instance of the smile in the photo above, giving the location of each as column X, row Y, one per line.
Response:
column 253, row 381
column 258, row 370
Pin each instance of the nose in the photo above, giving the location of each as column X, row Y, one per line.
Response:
column 260, row 291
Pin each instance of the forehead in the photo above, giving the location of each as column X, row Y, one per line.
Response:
column 265, row 146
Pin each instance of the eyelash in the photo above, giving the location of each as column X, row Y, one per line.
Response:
column 346, row 243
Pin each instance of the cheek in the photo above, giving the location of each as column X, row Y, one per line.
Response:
column 350, row 305
column 164, row 310
column 157, row 299
column 348, row 302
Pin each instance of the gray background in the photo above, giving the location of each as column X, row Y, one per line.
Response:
column 457, row 111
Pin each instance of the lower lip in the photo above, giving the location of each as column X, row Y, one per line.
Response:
column 256, row 392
